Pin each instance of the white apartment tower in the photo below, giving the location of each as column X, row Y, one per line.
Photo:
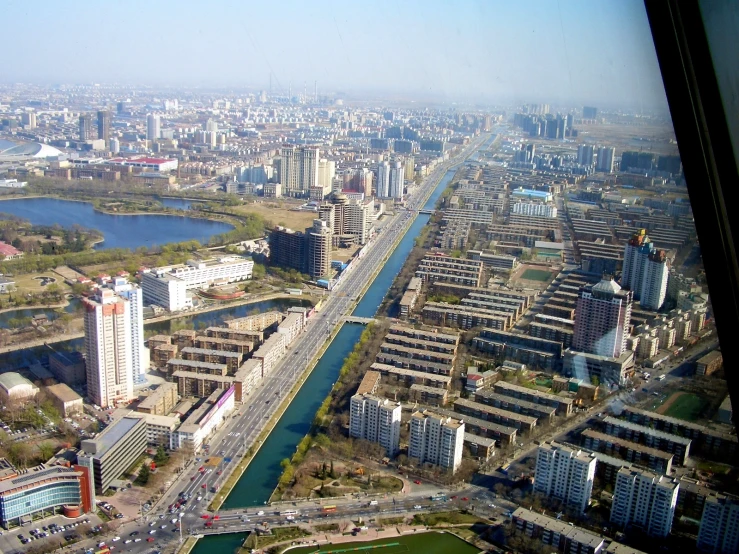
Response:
column 606, row 156
column 153, row 127
column 108, row 345
column 644, row 499
column 565, row 473
column 383, row 180
column 139, row 354
column 397, row 181
column 719, row 529
column 376, row 420
column 645, row 271
column 436, row 440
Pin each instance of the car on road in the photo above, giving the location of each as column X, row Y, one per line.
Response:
column 150, row 539
column 417, row 482
column 152, row 531
column 465, row 499
column 417, row 507
column 116, row 539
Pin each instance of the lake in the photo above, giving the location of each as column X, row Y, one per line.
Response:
column 120, row 231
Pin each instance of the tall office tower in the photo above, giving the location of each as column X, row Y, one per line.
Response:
column 115, row 146
column 104, row 125
column 383, row 180
column 670, row 164
column 287, row 248
column 86, row 127
column 588, row 112
column 326, row 174
column 436, row 440
column 397, row 181
column 644, row 499
column 585, row 154
column 376, row 420
column 139, row 355
column 565, row 474
column 153, row 127
column 108, row 345
column 654, row 284
column 719, row 529
column 28, row 119
column 211, row 126
column 120, row 107
column 318, row 251
column 569, row 122
column 602, row 318
column 606, row 156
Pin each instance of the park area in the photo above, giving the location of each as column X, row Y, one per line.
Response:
column 532, row 276
column 421, row 543
column 536, row 275
column 683, row 405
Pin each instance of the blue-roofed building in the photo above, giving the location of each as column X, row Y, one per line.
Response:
column 532, row 194
column 114, row 450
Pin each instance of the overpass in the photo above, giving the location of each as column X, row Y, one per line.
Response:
column 359, row 320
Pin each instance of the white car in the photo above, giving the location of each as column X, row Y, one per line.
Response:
column 417, row 507
column 116, row 539
column 137, row 540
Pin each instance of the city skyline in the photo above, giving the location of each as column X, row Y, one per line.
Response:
column 573, row 52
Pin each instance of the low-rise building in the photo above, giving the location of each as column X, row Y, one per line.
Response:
column 204, row 420
column 43, row 491
column 114, row 450
column 556, row 533
column 16, row 388
column 709, row 363
column 65, row 400
column 161, row 401
column 562, row 404
column 68, row 367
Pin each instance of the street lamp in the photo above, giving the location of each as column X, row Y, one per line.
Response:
column 180, row 521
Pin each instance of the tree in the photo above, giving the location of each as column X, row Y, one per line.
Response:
column 331, row 472
column 160, row 458
column 144, row 474
column 46, row 450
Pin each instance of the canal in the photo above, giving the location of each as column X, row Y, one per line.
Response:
column 260, row 479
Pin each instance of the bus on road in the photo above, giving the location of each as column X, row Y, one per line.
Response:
column 329, row 509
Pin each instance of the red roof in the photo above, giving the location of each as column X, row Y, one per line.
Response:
column 8, row 250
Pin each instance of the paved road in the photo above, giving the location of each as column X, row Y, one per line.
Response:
column 242, row 429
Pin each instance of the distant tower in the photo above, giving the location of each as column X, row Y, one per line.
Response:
column 152, row 127
column 104, row 125
column 85, row 127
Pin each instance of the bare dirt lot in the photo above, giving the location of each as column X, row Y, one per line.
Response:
column 281, row 212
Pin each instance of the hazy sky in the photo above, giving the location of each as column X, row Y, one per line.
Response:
column 578, row 51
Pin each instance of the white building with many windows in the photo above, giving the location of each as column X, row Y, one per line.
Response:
column 565, row 473
column 436, row 440
column 719, row 530
column 376, row 420
column 644, row 499
column 534, row 209
column 168, row 286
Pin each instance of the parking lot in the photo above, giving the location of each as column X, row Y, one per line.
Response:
column 58, row 528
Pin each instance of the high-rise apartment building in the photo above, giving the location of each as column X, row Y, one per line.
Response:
column 139, row 355
column 326, row 174
column 287, row 248
column 719, row 529
column 654, row 284
column 383, row 180
column 606, row 156
column 585, row 154
column 565, row 474
column 589, row 112
column 436, row 440
column 602, row 318
column 28, row 120
column 86, row 127
column 108, row 345
column 645, row 271
column 644, row 499
column 298, row 170
column 104, row 125
column 397, row 181
column 153, row 127
column 357, row 219
column 318, row 249
column 376, row 420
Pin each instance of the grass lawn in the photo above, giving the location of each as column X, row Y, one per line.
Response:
column 536, row 275
column 686, row 406
column 445, row 518
column 419, row 543
column 280, row 215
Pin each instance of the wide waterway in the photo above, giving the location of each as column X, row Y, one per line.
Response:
column 259, row 480
column 119, row 231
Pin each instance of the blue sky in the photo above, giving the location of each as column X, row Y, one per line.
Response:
column 566, row 51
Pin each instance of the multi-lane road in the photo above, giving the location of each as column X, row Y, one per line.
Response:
column 243, row 428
